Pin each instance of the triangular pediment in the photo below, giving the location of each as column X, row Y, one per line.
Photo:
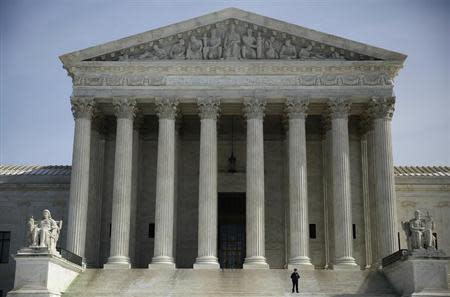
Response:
column 232, row 34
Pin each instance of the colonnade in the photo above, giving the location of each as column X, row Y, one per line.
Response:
column 380, row 110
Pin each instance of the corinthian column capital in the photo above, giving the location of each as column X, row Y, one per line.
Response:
column 124, row 107
column 254, row 107
column 166, row 108
column 297, row 107
column 82, row 107
column 208, row 107
column 338, row 107
column 366, row 123
column 382, row 107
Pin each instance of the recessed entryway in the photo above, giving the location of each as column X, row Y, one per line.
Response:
column 231, row 230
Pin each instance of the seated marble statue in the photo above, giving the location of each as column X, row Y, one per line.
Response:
column 288, row 50
column 178, row 50
column 419, row 232
column 45, row 233
column 249, row 45
column 194, row 49
column 212, row 48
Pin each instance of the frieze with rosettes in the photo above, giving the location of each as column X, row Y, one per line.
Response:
column 239, row 68
column 379, row 79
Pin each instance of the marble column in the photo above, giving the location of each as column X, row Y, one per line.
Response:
column 296, row 109
column 165, row 185
column 382, row 110
column 343, row 243
column 374, row 218
column 255, row 241
column 207, row 203
column 366, row 164
column 135, row 186
column 94, row 218
column 327, row 181
column 119, row 257
column 82, row 109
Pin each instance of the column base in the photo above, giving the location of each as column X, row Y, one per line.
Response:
column 162, row 263
column 345, row 263
column 256, row 262
column 207, row 262
column 117, row 262
column 301, row 263
column 302, row 266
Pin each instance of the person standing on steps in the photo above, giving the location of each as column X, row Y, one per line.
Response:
column 294, row 277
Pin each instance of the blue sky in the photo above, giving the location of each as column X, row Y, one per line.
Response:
column 36, row 125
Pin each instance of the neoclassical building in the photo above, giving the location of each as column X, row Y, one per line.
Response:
column 234, row 140
column 287, row 89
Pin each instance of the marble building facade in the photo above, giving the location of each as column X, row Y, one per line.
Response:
column 237, row 141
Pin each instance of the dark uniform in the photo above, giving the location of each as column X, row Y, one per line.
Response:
column 295, row 276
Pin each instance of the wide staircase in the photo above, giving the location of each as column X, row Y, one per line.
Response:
column 229, row 282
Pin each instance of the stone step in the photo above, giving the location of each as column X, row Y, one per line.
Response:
column 201, row 283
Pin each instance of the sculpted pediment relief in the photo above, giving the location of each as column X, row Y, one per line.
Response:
column 232, row 39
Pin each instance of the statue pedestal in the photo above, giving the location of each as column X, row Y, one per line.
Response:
column 42, row 274
column 424, row 276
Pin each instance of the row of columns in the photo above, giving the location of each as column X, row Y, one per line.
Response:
column 296, row 109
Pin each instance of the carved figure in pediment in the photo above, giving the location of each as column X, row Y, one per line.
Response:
column 194, row 50
column 259, row 46
column 288, row 50
column 337, row 56
column 232, row 44
column 249, row 45
column 124, row 57
column 305, row 52
column 178, row 50
column 156, row 53
column 212, row 49
column 271, row 48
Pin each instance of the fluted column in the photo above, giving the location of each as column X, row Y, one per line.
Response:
column 327, row 181
column 298, row 187
column 340, row 163
column 119, row 257
column 82, row 109
column 374, row 218
column 165, row 185
column 366, row 164
column 382, row 110
column 207, row 203
column 135, row 186
column 94, row 213
column 255, row 241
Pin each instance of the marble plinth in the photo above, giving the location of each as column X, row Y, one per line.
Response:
column 419, row 276
column 40, row 274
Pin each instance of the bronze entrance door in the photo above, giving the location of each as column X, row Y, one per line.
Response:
column 231, row 233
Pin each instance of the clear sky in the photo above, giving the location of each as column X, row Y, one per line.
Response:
column 36, row 125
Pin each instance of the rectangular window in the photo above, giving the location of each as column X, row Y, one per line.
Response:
column 151, row 230
column 109, row 230
column 5, row 238
column 312, row 231
column 354, row 231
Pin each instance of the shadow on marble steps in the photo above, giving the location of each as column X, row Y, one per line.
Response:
column 197, row 283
